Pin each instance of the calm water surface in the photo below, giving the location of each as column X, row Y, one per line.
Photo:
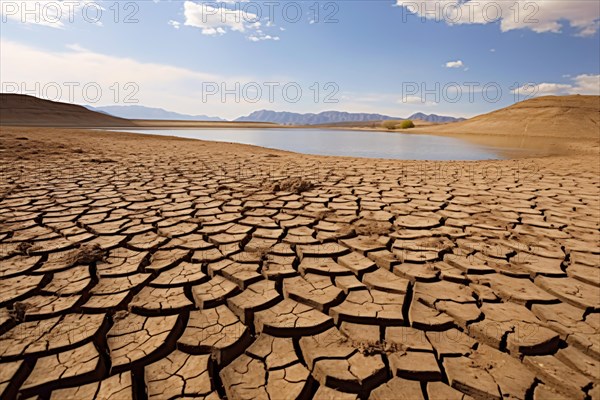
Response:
column 345, row 143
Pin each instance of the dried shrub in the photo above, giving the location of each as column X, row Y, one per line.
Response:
column 87, row 254
column 390, row 124
column 19, row 310
column 24, row 247
column 406, row 124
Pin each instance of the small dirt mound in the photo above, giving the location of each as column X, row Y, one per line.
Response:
column 87, row 254
column 24, row 247
column 19, row 310
column 370, row 349
column 292, row 185
column 120, row 315
column 372, row 228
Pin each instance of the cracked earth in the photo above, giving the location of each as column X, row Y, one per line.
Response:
column 141, row 267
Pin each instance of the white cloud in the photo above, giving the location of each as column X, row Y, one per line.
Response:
column 581, row 84
column 455, row 64
column 416, row 100
column 538, row 16
column 216, row 19
column 51, row 13
column 76, row 47
column 258, row 38
column 175, row 24
column 587, row 84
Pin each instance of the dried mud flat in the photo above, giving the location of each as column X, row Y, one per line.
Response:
column 152, row 267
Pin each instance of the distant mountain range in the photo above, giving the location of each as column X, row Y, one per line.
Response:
column 141, row 112
column 278, row 117
column 327, row 117
column 331, row 117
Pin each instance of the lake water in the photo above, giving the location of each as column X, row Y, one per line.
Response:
column 390, row 145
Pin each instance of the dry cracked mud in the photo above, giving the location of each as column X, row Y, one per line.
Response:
column 141, row 267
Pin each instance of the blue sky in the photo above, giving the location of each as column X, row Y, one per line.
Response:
column 391, row 57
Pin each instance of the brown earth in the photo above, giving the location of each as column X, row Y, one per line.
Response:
column 136, row 266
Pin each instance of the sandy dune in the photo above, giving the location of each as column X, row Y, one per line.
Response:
column 17, row 109
column 137, row 265
column 550, row 116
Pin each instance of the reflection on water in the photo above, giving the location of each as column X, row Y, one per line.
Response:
column 370, row 144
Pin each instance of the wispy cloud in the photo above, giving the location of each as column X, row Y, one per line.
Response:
column 45, row 73
column 416, row 100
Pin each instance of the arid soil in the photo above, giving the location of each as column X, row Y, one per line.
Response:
column 572, row 117
column 23, row 110
column 136, row 266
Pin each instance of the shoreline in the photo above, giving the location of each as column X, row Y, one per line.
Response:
column 499, row 145
column 50, row 143
column 119, row 147
column 504, row 144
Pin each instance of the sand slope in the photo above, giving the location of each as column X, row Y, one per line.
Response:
column 552, row 116
column 17, row 109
